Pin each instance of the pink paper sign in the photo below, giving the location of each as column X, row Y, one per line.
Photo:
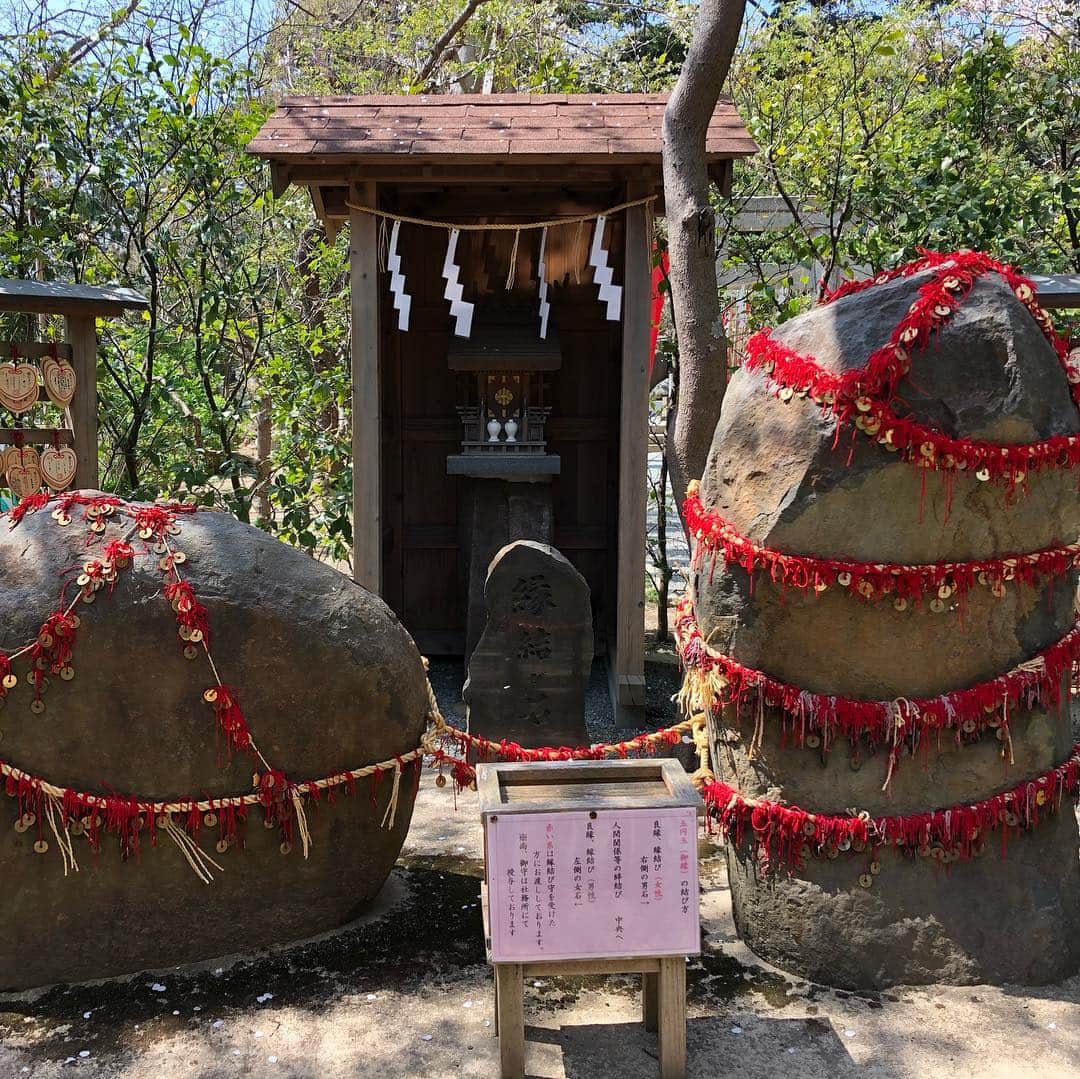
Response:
column 576, row 886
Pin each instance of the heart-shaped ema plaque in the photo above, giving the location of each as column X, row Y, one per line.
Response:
column 58, row 466
column 18, row 386
column 23, row 472
column 59, row 378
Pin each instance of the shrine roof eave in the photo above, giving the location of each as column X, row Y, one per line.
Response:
column 541, row 168
column 480, row 138
column 59, row 298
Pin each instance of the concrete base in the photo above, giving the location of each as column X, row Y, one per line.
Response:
column 627, row 693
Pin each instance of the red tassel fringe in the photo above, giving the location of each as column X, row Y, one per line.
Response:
column 870, row 581
column 787, row 834
column 229, row 717
column 965, row 712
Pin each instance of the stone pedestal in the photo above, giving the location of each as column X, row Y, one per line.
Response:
column 774, row 473
column 528, row 673
column 496, row 512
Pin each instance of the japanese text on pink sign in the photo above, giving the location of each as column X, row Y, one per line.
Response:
column 580, row 886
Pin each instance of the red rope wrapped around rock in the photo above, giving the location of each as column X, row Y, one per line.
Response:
column 789, row 834
column 714, row 680
column 864, row 396
column 945, row 582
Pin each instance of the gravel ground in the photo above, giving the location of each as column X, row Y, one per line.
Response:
column 404, row 992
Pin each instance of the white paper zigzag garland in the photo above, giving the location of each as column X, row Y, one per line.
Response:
column 609, row 294
column 460, row 308
column 545, row 307
column 402, row 300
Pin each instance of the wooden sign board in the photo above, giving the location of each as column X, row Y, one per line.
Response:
column 590, row 860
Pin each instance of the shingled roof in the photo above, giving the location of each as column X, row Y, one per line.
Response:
column 584, row 128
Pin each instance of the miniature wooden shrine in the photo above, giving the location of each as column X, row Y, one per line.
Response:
column 500, row 274
column 502, row 391
column 49, row 387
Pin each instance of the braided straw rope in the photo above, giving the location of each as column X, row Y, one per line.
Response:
column 501, row 227
column 54, row 801
column 429, row 746
column 202, row 864
column 205, row 805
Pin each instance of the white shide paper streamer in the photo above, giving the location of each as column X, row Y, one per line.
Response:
column 402, row 300
column 460, row 308
column 545, row 307
column 602, row 273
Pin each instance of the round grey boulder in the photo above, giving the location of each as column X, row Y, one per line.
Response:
column 328, row 680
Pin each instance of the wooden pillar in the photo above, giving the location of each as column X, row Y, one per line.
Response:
column 672, row 990
column 82, row 335
column 650, row 1000
column 511, row 1019
column 627, row 665
column 366, row 395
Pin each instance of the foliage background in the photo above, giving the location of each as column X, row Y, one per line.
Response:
column 883, row 127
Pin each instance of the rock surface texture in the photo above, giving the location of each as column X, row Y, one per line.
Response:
column 528, row 674
column 328, row 680
column 774, row 473
column 495, row 513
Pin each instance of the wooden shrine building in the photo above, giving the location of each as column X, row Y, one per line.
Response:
column 447, row 339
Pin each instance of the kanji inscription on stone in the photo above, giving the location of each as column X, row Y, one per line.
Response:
column 528, row 674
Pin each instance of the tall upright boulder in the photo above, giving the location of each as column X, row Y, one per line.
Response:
column 328, row 680
column 778, row 472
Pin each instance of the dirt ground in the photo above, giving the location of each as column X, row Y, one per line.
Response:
column 404, row 991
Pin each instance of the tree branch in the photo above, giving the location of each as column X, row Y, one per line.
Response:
column 439, row 48
column 702, row 371
column 88, row 42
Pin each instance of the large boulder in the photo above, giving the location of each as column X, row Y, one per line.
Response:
column 328, row 680
column 775, row 472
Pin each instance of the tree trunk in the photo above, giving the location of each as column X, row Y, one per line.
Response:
column 702, row 363
column 264, row 466
column 663, row 564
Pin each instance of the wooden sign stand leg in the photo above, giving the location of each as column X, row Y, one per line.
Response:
column 650, row 1001
column 663, row 1006
column 672, row 1000
column 510, row 1019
